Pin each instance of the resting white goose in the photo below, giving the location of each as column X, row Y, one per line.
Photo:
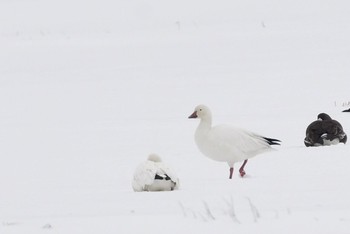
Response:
column 154, row 175
column 228, row 144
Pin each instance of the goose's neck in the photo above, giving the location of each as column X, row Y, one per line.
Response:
column 204, row 125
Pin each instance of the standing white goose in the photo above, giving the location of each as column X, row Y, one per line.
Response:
column 154, row 175
column 228, row 144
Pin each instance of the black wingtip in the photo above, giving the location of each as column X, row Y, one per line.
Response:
column 272, row 141
column 162, row 177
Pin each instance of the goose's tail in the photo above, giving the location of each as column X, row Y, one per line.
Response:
column 272, row 141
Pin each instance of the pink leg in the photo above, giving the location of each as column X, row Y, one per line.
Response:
column 231, row 172
column 241, row 170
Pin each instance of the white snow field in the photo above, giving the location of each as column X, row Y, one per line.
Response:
column 88, row 89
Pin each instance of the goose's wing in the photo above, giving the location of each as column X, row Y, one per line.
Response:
column 165, row 170
column 144, row 175
column 239, row 140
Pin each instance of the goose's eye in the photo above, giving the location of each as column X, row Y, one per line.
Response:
column 200, row 109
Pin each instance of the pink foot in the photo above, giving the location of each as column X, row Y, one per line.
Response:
column 242, row 172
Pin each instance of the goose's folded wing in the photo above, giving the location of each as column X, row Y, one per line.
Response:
column 241, row 140
column 163, row 169
column 144, row 175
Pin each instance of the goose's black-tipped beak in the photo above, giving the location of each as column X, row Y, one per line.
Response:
column 193, row 116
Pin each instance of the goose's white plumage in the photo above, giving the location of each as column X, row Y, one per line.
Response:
column 146, row 174
column 226, row 143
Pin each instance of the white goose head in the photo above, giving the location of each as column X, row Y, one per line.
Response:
column 202, row 112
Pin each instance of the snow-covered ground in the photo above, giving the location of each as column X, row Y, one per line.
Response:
column 89, row 88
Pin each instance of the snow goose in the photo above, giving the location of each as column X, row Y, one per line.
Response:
column 226, row 143
column 324, row 131
column 154, row 175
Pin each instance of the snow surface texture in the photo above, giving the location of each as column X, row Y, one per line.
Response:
column 89, row 88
